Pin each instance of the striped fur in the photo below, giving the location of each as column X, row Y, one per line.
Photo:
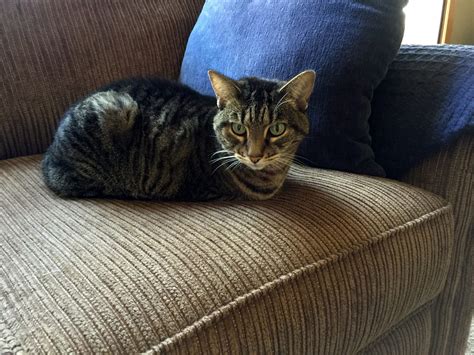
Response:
column 157, row 139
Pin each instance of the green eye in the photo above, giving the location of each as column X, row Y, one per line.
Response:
column 238, row 129
column 277, row 129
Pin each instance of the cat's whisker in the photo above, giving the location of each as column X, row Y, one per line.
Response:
column 280, row 159
column 294, row 160
column 233, row 166
column 274, row 157
column 291, row 160
column 278, row 162
column 214, row 171
column 281, row 166
column 282, row 103
column 222, row 164
column 279, row 101
column 221, row 151
column 306, row 159
column 221, row 158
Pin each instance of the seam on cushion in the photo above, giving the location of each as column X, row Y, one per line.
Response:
column 400, row 324
column 268, row 286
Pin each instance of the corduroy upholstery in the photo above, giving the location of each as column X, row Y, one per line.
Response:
column 328, row 266
column 450, row 174
column 337, row 264
column 412, row 336
column 55, row 51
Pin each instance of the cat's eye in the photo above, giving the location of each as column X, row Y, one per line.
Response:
column 277, row 129
column 238, row 129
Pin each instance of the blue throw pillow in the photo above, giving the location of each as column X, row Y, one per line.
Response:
column 348, row 43
column 425, row 102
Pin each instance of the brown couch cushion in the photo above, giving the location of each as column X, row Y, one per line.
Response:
column 328, row 266
column 55, row 51
column 411, row 336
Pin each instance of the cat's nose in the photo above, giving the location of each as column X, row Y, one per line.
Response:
column 255, row 160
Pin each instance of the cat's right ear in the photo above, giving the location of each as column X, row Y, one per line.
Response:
column 299, row 89
column 226, row 89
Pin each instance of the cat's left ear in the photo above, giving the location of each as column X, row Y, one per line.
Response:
column 300, row 88
column 226, row 89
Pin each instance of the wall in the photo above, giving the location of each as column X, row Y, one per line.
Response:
column 463, row 23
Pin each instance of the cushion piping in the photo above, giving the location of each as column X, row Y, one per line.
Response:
column 267, row 287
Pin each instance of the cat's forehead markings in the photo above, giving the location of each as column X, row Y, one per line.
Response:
column 261, row 114
column 249, row 114
column 267, row 117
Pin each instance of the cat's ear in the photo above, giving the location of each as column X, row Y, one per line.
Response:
column 299, row 89
column 226, row 89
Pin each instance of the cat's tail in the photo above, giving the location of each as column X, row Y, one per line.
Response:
column 115, row 111
column 80, row 160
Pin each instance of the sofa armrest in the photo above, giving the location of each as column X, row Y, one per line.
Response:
column 424, row 103
column 55, row 51
column 450, row 173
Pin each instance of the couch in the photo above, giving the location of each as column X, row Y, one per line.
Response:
column 337, row 263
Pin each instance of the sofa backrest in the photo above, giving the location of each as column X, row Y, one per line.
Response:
column 52, row 52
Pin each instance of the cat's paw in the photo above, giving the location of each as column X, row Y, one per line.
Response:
column 114, row 110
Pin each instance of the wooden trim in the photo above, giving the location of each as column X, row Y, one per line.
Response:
column 446, row 28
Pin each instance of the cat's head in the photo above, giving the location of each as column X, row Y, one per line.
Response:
column 262, row 122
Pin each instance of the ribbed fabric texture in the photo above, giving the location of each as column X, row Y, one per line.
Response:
column 55, row 51
column 450, row 174
column 426, row 101
column 410, row 337
column 329, row 266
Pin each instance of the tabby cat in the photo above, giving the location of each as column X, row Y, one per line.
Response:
column 157, row 139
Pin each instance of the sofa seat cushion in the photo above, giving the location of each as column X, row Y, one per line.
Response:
column 328, row 266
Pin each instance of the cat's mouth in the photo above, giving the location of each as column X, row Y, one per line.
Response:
column 256, row 166
column 275, row 163
column 259, row 165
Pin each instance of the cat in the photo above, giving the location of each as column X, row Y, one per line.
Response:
column 151, row 138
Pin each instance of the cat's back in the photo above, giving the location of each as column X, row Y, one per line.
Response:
column 132, row 137
column 146, row 90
